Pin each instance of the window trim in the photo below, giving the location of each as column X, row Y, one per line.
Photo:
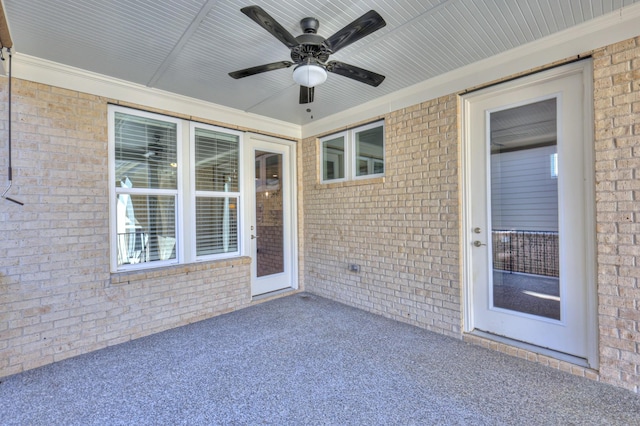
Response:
column 193, row 193
column 350, row 157
column 185, row 193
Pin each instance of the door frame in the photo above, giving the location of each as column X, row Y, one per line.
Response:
column 290, row 205
column 585, row 68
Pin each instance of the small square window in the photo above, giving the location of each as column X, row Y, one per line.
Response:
column 356, row 154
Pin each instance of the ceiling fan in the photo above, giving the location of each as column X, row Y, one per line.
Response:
column 310, row 51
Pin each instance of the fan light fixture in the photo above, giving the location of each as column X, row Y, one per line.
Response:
column 309, row 75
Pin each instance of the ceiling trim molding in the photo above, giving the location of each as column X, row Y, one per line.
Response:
column 54, row 74
column 584, row 38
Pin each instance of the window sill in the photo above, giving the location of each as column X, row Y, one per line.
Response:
column 349, row 183
column 125, row 277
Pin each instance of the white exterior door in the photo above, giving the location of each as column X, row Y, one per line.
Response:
column 271, row 214
column 528, row 212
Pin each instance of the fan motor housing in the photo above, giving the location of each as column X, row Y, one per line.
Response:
column 311, row 46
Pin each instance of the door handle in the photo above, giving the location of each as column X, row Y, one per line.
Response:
column 253, row 237
column 477, row 243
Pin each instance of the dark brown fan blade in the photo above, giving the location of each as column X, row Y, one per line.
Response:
column 351, row 71
column 306, row 94
column 363, row 26
column 263, row 19
column 260, row 68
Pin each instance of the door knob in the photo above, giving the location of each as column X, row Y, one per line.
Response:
column 478, row 243
column 253, row 237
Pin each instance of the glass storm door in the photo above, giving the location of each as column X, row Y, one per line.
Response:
column 528, row 231
column 271, row 221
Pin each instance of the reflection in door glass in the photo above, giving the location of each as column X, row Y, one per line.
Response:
column 524, row 209
column 269, row 217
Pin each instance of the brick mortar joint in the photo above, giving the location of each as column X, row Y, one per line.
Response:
column 120, row 278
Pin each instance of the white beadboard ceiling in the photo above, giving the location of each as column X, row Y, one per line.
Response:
column 188, row 47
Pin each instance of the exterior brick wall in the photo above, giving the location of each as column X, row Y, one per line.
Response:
column 401, row 229
column 57, row 296
column 617, row 166
column 404, row 229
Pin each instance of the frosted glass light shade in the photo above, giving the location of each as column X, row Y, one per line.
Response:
column 309, row 75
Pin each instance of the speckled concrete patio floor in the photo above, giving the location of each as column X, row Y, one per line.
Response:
column 303, row 359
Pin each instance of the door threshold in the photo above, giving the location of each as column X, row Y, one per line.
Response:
column 560, row 356
column 274, row 293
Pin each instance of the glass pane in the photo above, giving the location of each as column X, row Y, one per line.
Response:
column 216, row 225
column 333, row 159
column 145, row 152
column 217, row 157
column 524, row 209
column 146, row 228
column 370, row 152
column 269, row 216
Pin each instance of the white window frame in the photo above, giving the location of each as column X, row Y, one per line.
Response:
column 346, row 156
column 185, row 193
column 214, row 194
column 355, row 158
column 350, row 157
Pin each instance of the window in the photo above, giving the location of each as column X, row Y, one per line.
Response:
column 146, row 187
column 354, row 154
column 166, row 210
column 333, row 158
column 369, row 146
column 554, row 165
column 217, row 192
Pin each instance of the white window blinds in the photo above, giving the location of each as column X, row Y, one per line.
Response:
column 217, row 192
column 145, row 151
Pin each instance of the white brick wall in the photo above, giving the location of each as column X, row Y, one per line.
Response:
column 57, row 296
column 617, row 165
column 401, row 229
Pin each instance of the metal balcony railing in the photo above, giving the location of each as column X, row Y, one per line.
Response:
column 530, row 252
column 133, row 247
